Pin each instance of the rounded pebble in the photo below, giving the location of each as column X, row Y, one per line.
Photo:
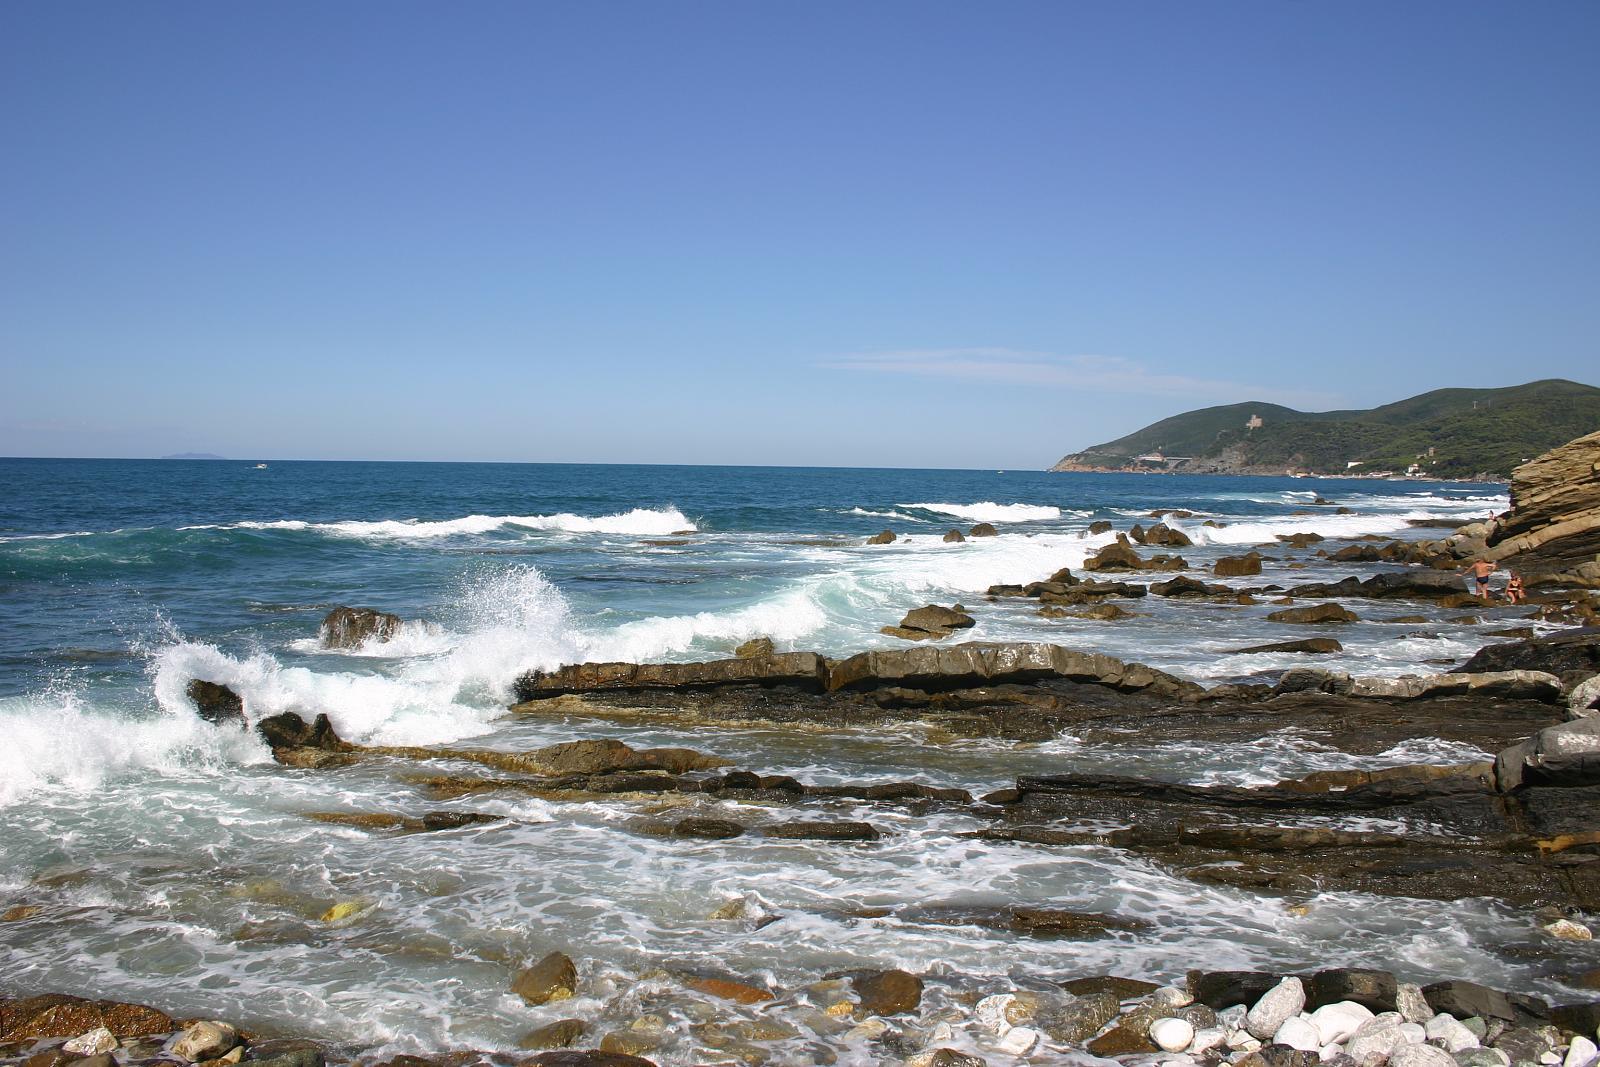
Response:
column 1298, row 1033
column 1172, row 1035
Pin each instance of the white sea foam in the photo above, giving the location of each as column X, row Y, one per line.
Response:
column 902, row 516
column 989, row 511
column 641, row 521
column 55, row 740
column 49, row 536
column 1265, row 531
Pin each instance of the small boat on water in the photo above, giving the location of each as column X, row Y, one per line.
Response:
column 259, row 467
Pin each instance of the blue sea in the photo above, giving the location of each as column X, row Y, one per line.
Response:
column 159, row 858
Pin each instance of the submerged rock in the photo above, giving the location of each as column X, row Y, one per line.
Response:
column 1314, row 613
column 564, row 1033
column 887, row 992
column 553, row 978
column 1311, row 645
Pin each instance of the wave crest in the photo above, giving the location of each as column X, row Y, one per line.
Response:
column 989, row 511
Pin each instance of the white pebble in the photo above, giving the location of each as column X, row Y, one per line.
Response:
column 1580, row 1053
column 1172, row 1035
column 1283, row 1001
column 1421, row 1056
column 1413, row 1032
column 92, row 1043
column 1232, row 1017
column 1019, row 1040
column 1375, row 1041
column 1330, row 1052
column 866, row 1030
column 1208, row 1038
column 1170, row 996
column 1551, row 1058
column 1447, row 1032
column 1568, row 930
column 990, row 1013
column 1338, row 1022
column 1299, row 1034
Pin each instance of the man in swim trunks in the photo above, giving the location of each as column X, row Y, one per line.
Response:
column 1480, row 571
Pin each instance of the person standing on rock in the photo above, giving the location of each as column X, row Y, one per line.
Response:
column 1480, row 571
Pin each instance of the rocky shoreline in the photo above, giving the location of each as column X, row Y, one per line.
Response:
column 1520, row 828
column 1341, row 1016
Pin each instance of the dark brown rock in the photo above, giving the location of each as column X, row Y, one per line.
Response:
column 1183, row 586
column 1571, row 650
column 755, row 648
column 59, row 1015
column 1237, row 566
column 824, row 831
column 710, row 829
column 1119, row 987
column 552, row 978
column 887, row 992
column 1125, row 1039
column 214, row 702
column 351, row 627
column 1314, row 613
column 1312, row 645
column 983, row 529
column 563, row 1033
column 1224, row 989
column 805, row 670
column 885, row 538
column 953, row 536
column 1369, row 988
column 586, row 1058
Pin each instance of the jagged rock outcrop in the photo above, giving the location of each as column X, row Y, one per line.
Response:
column 351, row 627
column 1553, row 527
column 1570, row 651
column 214, row 702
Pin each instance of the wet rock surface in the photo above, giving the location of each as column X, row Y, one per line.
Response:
column 349, row 628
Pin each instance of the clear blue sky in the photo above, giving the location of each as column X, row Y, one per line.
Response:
column 915, row 234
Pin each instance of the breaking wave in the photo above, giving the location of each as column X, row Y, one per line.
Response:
column 989, row 511
column 643, row 521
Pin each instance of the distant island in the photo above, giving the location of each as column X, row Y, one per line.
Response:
column 1448, row 433
column 194, row 455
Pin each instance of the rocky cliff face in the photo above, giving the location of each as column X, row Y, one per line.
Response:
column 1553, row 527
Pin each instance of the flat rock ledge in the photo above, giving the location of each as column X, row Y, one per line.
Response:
column 955, row 667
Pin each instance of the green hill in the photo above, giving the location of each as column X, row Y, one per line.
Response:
column 1448, row 433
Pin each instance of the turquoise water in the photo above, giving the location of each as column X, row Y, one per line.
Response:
column 171, row 862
